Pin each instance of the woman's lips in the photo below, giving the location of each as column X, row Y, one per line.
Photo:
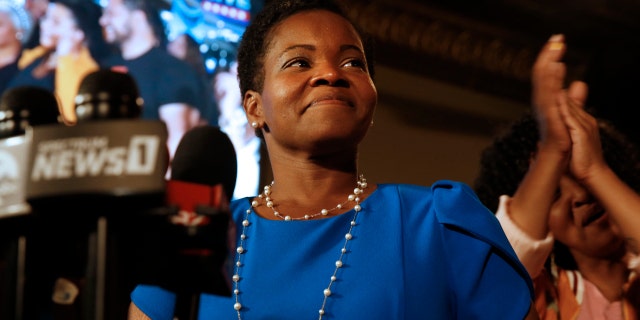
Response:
column 593, row 216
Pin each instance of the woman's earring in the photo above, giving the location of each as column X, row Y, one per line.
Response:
column 19, row 35
column 254, row 125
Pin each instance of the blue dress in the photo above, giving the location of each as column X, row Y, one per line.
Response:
column 417, row 253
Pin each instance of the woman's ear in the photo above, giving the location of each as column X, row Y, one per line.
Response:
column 252, row 104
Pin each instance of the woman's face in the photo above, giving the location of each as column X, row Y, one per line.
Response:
column 317, row 90
column 59, row 26
column 578, row 221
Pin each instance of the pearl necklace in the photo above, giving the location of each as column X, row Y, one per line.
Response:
column 362, row 184
column 266, row 195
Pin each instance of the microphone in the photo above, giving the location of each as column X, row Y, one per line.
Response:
column 203, row 176
column 86, row 183
column 205, row 155
column 25, row 106
column 106, row 94
column 108, row 156
column 20, row 108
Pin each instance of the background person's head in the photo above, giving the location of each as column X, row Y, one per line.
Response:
column 76, row 22
column 185, row 47
column 15, row 24
column 124, row 20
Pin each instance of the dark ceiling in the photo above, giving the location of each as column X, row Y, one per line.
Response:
column 490, row 45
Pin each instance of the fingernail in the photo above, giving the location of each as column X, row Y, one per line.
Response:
column 556, row 42
column 556, row 46
column 556, row 38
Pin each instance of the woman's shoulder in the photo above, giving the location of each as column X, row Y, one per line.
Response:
column 441, row 189
column 453, row 205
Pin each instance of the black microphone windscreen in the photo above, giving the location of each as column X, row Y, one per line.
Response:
column 108, row 94
column 25, row 106
column 205, row 155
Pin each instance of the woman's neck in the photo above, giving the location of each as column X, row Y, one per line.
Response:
column 609, row 276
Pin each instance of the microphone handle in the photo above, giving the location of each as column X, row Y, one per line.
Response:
column 186, row 260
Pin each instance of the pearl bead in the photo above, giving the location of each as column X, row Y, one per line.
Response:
column 338, row 264
column 254, row 203
column 321, row 312
column 236, row 278
column 324, row 212
column 240, row 250
column 333, row 278
column 348, row 236
column 237, row 306
column 245, row 223
column 327, row 292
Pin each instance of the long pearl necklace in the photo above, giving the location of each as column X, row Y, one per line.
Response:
column 355, row 196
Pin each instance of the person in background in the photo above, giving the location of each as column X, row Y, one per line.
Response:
column 71, row 46
column 186, row 48
column 322, row 241
column 15, row 28
column 170, row 88
column 567, row 184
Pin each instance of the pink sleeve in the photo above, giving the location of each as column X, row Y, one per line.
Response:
column 532, row 252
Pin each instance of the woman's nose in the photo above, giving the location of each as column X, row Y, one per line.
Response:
column 582, row 197
column 329, row 75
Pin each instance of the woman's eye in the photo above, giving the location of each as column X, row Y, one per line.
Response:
column 299, row 63
column 356, row 63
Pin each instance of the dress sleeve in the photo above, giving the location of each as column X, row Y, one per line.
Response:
column 483, row 268
column 531, row 252
column 155, row 302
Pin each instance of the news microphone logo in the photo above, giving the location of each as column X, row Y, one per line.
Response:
column 92, row 156
column 110, row 158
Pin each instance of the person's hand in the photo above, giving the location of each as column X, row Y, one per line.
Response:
column 548, row 76
column 586, row 150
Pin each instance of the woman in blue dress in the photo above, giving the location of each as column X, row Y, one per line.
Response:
column 323, row 242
